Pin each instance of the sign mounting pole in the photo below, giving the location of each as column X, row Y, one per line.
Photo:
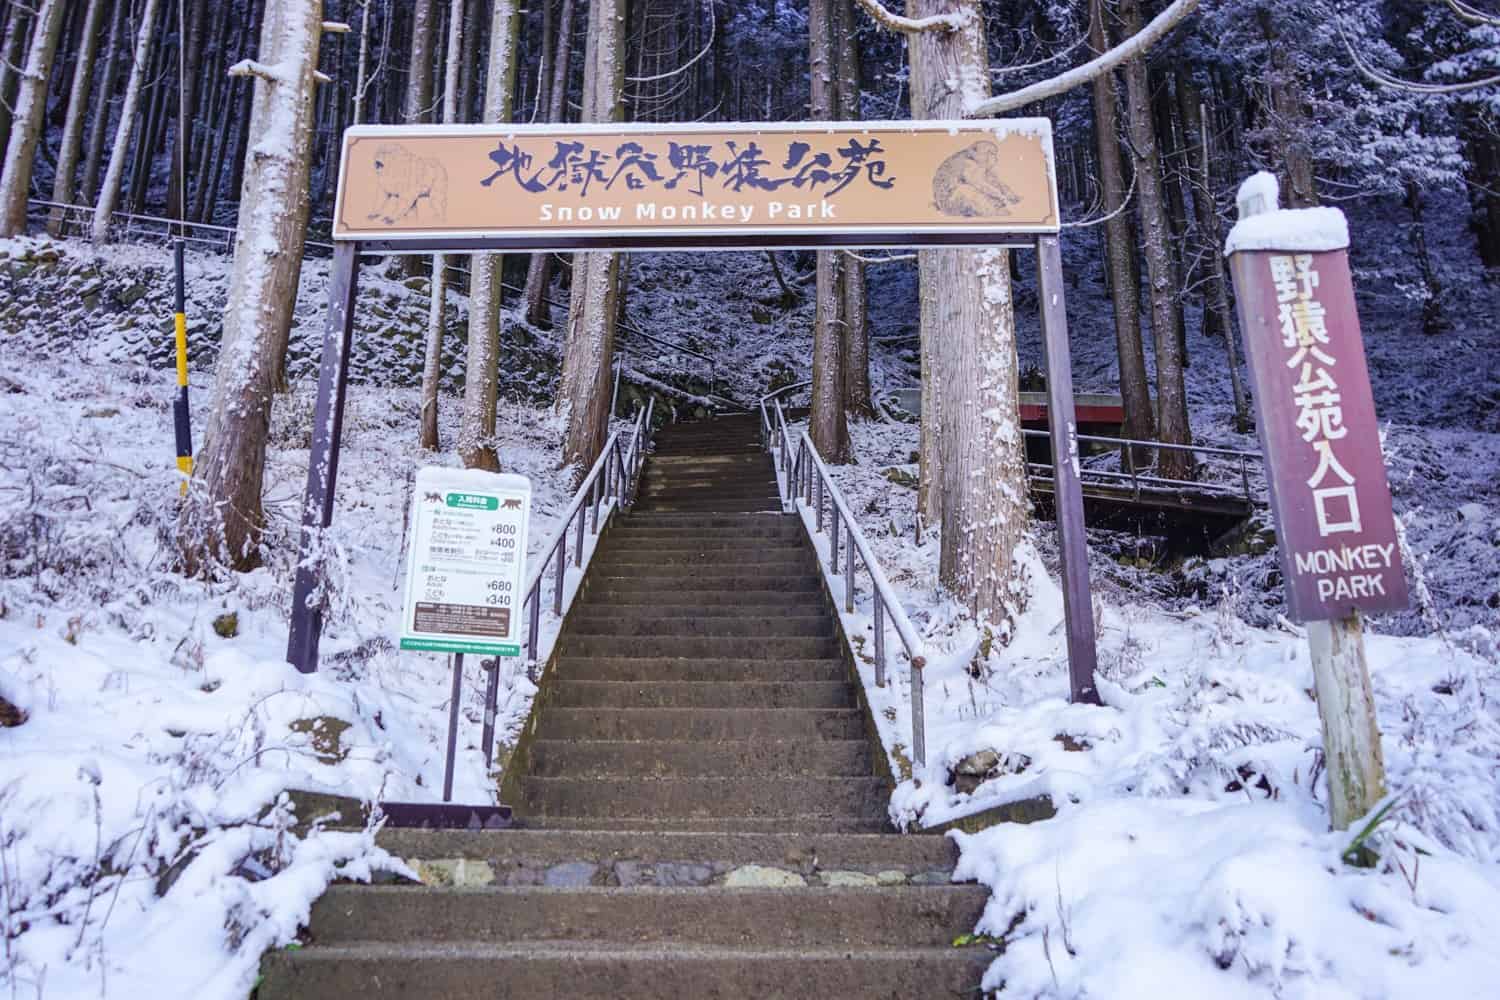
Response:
column 1072, row 543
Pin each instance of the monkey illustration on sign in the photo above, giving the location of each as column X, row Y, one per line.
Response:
column 968, row 185
column 409, row 187
column 513, row 504
column 432, row 498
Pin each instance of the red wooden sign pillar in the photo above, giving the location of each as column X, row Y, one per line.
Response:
column 1336, row 534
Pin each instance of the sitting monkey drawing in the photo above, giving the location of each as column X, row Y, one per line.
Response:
column 967, row 184
column 408, row 187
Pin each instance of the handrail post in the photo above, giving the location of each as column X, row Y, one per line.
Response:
column 918, row 716
column 562, row 567
column 598, row 494
column 578, row 540
column 534, row 631
column 879, row 626
column 818, row 482
column 833, row 542
column 849, row 569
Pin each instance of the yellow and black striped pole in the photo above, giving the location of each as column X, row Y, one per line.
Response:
column 181, row 416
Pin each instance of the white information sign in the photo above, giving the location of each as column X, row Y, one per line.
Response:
column 468, row 560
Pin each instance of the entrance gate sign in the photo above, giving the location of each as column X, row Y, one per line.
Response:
column 468, row 556
column 505, row 188
column 1336, row 532
column 682, row 186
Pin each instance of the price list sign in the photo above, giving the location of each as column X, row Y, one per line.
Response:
column 468, row 559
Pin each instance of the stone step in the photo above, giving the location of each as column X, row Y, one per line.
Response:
column 761, row 918
column 773, row 529
column 776, row 565
column 826, row 758
column 671, row 670
column 705, row 798
column 706, row 602
column 558, row 723
column 654, row 825
column 647, row 624
column 709, row 506
column 808, row 607
column 743, row 647
column 484, row 971
column 703, row 694
column 717, row 546
column 789, row 552
column 674, row 587
column 735, row 492
column 709, row 523
column 911, row 854
column 659, row 462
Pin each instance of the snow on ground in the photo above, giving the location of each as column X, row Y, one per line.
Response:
column 1190, row 849
column 143, row 847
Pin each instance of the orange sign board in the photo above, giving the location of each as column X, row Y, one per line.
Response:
column 556, row 186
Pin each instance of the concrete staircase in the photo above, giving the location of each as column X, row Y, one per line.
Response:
column 701, row 806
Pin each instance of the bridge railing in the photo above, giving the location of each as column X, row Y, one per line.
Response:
column 804, row 480
column 610, row 484
column 1141, row 480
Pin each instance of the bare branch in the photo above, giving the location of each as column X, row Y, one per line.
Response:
column 1472, row 15
column 249, row 67
column 1384, row 79
column 712, row 25
column 910, row 25
column 1131, row 47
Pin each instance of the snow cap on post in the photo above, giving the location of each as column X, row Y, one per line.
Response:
column 1265, row 226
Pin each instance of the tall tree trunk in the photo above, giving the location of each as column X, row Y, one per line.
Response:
column 1484, row 189
column 26, row 126
column 827, row 424
column 99, row 126
column 154, row 123
column 589, row 349
column 852, row 289
column 1216, row 295
column 1171, row 391
column 16, row 27
column 1289, row 122
column 223, row 518
column 78, row 102
column 1119, row 243
column 362, row 62
column 438, row 288
column 104, row 207
column 417, row 102
column 193, row 58
column 969, row 341
column 482, row 372
column 1173, row 168
column 539, row 270
column 1433, row 319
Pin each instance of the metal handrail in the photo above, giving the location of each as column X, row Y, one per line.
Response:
column 610, row 483
column 774, row 397
column 808, row 483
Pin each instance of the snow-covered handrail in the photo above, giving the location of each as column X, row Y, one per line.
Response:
column 612, row 478
column 807, row 482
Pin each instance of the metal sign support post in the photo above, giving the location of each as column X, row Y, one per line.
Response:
column 457, row 660
column 323, row 459
column 1072, row 543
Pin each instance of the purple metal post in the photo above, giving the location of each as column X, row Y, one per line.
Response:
column 1078, row 605
column 879, row 627
column 323, row 459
